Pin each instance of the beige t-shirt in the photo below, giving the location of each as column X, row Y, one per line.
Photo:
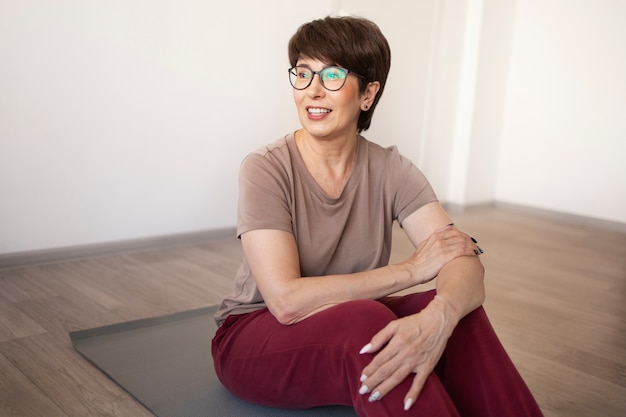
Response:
column 342, row 235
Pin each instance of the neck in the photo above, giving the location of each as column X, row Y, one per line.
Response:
column 330, row 162
column 334, row 152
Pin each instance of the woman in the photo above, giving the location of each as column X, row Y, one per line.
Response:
column 312, row 321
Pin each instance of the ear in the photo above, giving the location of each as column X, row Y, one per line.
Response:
column 369, row 95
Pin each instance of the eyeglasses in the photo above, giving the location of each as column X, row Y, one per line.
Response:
column 332, row 78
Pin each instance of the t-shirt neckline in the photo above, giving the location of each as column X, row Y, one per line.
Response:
column 312, row 185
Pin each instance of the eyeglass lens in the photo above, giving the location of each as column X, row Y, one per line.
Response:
column 332, row 78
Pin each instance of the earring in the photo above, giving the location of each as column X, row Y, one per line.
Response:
column 367, row 107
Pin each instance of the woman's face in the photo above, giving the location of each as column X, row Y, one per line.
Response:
column 328, row 114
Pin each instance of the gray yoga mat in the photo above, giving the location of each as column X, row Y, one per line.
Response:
column 165, row 363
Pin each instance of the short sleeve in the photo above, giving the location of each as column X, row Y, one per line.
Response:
column 264, row 194
column 412, row 188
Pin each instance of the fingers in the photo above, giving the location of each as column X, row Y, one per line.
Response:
column 380, row 365
column 391, row 382
column 391, row 364
column 389, row 375
column 437, row 250
column 409, row 345
column 478, row 250
column 392, row 379
column 379, row 340
column 450, row 240
column 416, row 387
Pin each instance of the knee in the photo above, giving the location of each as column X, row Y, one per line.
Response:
column 364, row 311
column 474, row 326
column 477, row 317
column 359, row 320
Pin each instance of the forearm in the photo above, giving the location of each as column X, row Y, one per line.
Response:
column 274, row 262
column 460, row 284
column 300, row 298
column 443, row 254
column 273, row 259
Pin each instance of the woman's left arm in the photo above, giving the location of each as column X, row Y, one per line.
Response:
column 414, row 344
column 460, row 282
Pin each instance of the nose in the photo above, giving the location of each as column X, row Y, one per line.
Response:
column 316, row 88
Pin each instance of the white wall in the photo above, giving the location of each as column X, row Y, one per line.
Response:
column 492, row 69
column 446, row 138
column 527, row 105
column 564, row 128
column 128, row 119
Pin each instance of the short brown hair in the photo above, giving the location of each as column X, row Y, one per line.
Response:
column 354, row 43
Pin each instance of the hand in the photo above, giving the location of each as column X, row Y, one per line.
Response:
column 412, row 344
column 442, row 246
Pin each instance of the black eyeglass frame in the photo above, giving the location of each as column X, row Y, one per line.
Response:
column 348, row 72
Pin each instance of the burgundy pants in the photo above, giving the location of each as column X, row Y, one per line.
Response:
column 317, row 362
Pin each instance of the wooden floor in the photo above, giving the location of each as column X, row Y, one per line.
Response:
column 556, row 296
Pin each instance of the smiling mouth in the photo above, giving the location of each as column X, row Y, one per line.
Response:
column 317, row 111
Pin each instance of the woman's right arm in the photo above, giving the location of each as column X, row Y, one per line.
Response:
column 272, row 256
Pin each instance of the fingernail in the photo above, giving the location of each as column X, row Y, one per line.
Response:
column 363, row 378
column 407, row 404
column 365, row 348
column 375, row 396
column 476, row 252
column 363, row 389
column 474, row 240
column 451, row 224
column 481, row 251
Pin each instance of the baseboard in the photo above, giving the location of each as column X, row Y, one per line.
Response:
column 38, row 257
column 22, row 259
column 540, row 212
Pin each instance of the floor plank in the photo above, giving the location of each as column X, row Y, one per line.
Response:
column 20, row 397
column 15, row 324
column 70, row 382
